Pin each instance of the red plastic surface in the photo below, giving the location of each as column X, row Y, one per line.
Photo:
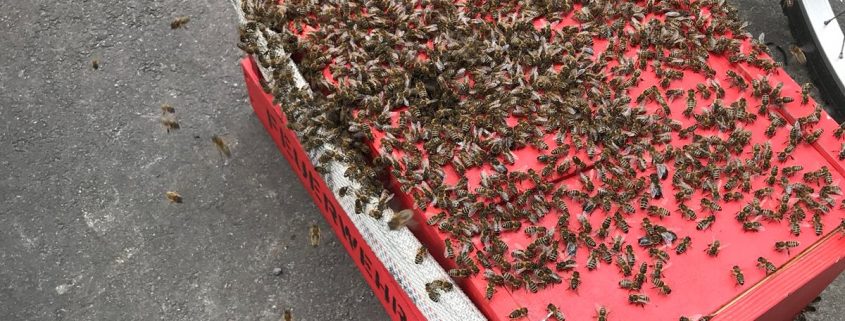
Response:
column 701, row 284
column 691, row 273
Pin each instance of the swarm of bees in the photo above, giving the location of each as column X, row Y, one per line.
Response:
column 425, row 91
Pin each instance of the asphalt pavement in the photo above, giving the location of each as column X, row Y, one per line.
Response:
column 85, row 230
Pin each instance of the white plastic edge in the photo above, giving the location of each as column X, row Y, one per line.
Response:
column 395, row 249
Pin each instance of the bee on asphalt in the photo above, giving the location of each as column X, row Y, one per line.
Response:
column 737, row 272
column 705, row 223
column 683, row 245
column 167, row 109
column 173, row 197
column 221, row 145
column 638, row 299
column 95, row 64
column 288, row 316
column 179, row 22
column 400, row 219
column 781, row 246
column 798, row 54
column 314, row 235
column 763, row 263
column 518, row 313
column 713, row 248
column 421, row 252
column 169, row 123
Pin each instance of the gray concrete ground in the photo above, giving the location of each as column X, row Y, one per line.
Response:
column 85, row 231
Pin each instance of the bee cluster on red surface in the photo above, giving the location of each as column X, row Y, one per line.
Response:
column 623, row 106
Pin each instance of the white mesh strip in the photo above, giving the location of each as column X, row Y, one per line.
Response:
column 395, row 249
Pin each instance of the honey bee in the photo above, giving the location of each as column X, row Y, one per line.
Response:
column 400, row 219
column 763, row 263
column 314, row 235
column 713, row 248
column 736, row 80
column 167, row 109
column 709, row 204
column 638, row 299
column 179, row 22
column 95, row 64
column 601, row 314
column 644, row 201
column 173, row 197
column 752, row 226
column 221, row 145
column 805, row 92
column 436, row 218
column 566, row 265
column 703, row 90
column 706, row 222
column 421, row 252
column 449, row 251
column 798, row 54
column 818, row 227
column 490, row 291
column 691, row 102
column 620, row 222
column 842, row 152
column 781, row 246
column 839, row 130
column 592, row 261
column 791, row 170
column 518, row 313
column 763, row 192
column 683, row 245
column 575, row 281
column 169, row 123
column 605, row 226
column 555, row 312
column 288, row 315
column 460, row 273
column 737, row 272
column 687, row 212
